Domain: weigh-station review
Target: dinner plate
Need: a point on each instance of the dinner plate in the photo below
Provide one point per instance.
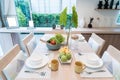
(44, 61)
(100, 64)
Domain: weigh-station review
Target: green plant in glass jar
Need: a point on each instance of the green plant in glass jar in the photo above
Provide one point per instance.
(73, 21)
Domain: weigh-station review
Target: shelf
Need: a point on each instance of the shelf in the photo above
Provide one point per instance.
(107, 9)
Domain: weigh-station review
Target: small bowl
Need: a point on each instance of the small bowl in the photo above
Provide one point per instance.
(36, 60)
(53, 47)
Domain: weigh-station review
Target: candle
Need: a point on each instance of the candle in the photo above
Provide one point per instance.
(31, 24)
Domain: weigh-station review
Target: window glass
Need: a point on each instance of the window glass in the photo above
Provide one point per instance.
(23, 12)
(44, 13)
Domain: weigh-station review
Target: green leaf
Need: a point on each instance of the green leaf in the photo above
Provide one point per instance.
(63, 17)
(74, 17)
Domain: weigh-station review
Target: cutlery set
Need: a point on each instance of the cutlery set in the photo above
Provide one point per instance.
(40, 73)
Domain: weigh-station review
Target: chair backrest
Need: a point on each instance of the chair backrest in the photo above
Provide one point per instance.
(111, 59)
(96, 43)
(7, 58)
(29, 43)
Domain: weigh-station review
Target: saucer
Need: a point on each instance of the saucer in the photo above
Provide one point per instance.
(44, 61)
(98, 65)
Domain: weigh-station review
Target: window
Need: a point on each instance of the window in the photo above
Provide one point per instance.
(43, 12)
(51, 6)
(23, 12)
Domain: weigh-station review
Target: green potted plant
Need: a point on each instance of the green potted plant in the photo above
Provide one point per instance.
(73, 23)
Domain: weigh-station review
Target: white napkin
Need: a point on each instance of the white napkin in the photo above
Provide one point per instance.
(33, 76)
(96, 74)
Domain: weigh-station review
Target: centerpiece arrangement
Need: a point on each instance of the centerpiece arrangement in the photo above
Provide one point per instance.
(65, 55)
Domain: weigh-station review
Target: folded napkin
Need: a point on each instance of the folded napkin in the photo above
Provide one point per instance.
(33, 76)
(96, 74)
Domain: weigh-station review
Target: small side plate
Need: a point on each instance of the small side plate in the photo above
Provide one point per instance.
(67, 62)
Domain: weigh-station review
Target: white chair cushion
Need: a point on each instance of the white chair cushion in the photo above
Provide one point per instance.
(107, 59)
(31, 45)
(94, 45)
(116, 69)
(13, 68)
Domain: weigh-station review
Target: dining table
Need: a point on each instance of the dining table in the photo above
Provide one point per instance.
(80, 49)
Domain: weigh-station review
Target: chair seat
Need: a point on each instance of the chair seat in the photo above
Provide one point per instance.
(111, 59)
(11, 63)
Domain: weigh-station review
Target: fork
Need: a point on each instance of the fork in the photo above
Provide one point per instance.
(95, 71)
(41, 73)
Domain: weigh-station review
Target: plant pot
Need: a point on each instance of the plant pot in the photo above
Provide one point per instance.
(62, 26)
(53, 26)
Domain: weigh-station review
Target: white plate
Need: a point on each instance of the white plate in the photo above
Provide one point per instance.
(100, 64)
(45, 60)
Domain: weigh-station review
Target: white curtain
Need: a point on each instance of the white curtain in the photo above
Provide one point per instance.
(10, 7)
(10, 11)
(2, 13)
(51, 6)
(1, 52)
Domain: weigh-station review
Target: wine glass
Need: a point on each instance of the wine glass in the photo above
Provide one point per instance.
(75, 41)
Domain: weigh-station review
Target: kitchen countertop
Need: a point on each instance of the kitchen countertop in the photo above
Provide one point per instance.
(99, 30)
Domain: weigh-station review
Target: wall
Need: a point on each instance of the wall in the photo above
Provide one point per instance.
(86, 9)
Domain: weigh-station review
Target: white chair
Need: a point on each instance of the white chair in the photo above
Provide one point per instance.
(111, 59)
(96, 43)
(30, 43)
(11, 63)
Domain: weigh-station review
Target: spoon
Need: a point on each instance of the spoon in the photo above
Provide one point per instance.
(41, 73)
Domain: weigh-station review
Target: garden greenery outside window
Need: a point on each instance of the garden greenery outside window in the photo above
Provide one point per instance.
(45, 13)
